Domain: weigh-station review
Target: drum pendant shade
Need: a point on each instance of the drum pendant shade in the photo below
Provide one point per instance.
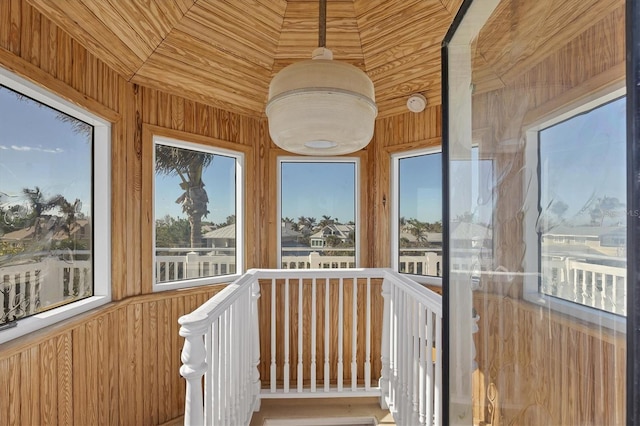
(321, 107)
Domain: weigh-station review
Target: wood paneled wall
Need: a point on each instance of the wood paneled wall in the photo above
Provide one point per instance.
(120, 364)
(375, 336)
(117, 365)
(403, 132)
(542, 368)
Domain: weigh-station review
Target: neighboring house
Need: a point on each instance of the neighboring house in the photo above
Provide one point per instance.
(52, 229)
(224, 237)
(434, 239)
(465, 235)
(600, 240)
(289, 237)
(319, 239)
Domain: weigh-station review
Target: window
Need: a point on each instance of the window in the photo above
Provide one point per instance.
(582, 208)
(417, 213)
(197, 214)
(54, 208)
(318, 213)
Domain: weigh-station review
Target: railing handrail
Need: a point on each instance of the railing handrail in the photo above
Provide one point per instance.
(228, 309)
(417, 291)
(215, 306)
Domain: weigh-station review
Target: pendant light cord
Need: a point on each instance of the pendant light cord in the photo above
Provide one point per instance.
(322, 24)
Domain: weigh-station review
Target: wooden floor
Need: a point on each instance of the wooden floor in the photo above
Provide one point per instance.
(321, 411)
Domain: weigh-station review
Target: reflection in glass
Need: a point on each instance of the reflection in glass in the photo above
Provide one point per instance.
(45, 207)
(583, 208)
(195, 213)
(537, 333)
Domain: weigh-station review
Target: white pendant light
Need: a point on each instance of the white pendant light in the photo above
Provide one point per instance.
(320, 106)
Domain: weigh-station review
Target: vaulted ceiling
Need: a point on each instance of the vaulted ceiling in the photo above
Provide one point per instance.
(225, 52)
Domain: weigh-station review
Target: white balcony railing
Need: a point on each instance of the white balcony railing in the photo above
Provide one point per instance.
(29, 288)
(222, 344)
(586, 281)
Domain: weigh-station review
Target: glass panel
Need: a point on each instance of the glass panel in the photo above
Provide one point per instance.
(45, 207)
(536, 213)
(583, 232)
(318, 214)
(195, 213)
(420, 214)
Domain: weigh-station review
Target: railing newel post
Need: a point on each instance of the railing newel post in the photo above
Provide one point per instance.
(385, 342)
(193, 328)
(255, 379)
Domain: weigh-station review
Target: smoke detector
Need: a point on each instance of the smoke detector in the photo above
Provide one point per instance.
(416, 102)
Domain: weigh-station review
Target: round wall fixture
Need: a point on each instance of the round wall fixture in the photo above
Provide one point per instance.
(416, 103)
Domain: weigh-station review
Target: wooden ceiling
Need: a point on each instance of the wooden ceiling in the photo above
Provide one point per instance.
(225, 52)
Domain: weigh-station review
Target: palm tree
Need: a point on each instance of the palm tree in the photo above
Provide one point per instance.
(326, 220)
(39, 205)
(188, 166)
(69, 211)
(419, 230)
(307, 223)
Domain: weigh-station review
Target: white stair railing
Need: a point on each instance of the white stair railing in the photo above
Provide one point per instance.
(222, 344)
(411, 381)
(351, 291)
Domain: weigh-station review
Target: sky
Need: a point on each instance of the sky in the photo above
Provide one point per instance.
(421, 187)
(38, 149)
(585, 157)
(318, 188)
(219, 182)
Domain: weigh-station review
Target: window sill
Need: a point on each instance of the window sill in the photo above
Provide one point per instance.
(196, 282)
(36, 322)
(587, 314)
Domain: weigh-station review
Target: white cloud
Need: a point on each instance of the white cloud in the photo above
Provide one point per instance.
(34, 148)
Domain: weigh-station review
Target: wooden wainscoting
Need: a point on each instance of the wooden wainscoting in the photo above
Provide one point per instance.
(264, 307)
(540, 367)
(117, 365)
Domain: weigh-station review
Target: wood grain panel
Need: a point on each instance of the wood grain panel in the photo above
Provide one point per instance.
(79, 22)
(265, 331)
(547, 369)
(225, 53)
(505, 45)
(85, 356)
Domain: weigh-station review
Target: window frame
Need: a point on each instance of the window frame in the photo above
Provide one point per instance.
(395, 213)
(101, 209)
(357, 196)
(532, 259)
(184, 141)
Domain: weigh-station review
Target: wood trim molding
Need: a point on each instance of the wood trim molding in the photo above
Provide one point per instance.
(16, 346)
(45, 80)
(250, 170)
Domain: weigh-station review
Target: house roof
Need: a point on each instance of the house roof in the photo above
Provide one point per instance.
(340, 231)
(584, 231)
(226, 232)
(46, 227)
(287, 231)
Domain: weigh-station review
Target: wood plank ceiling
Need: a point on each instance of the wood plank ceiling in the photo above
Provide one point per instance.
(225, 52)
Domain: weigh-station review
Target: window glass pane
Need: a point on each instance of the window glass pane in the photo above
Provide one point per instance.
(420, 214)
(45, 207)
(535, 319)
(583, 208)
(195, 213)
(318, 214)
